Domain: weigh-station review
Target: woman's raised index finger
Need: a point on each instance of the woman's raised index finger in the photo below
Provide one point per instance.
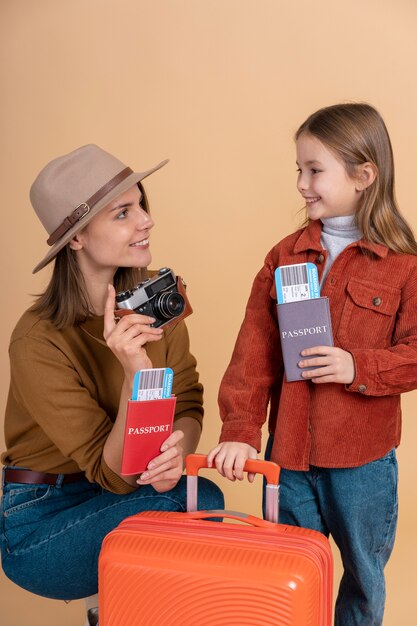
(109, 321)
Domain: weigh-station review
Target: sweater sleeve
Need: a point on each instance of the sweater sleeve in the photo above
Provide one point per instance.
(255, 364)
(186, 387)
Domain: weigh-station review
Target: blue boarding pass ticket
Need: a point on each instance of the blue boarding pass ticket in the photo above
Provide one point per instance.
(297, 282)
(153, 384)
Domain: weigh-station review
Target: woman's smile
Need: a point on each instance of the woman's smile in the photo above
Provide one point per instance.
(140, 244)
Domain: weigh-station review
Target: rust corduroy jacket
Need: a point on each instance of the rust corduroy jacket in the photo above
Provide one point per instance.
(373, 303)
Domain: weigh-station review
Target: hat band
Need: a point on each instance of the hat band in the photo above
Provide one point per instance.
(82, 209)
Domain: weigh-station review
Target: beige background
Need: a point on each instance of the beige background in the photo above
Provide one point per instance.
(219, 87)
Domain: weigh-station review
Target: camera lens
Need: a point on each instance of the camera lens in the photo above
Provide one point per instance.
(168, 305)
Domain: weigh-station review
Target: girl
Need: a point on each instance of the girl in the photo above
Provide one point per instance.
(72, 369)
(335, 433)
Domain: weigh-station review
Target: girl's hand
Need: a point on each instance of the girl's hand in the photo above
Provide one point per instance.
(230, 457)
(127, 337)
(334, 365)
(165, 470)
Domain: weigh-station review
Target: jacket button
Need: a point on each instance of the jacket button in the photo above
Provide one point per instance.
(376, 301)
(320, 258)
(362, 388)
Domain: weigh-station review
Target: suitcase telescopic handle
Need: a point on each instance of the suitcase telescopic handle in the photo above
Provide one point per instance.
(195, 462)
(271, 471)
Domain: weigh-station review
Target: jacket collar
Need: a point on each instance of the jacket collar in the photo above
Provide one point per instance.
(309, 239)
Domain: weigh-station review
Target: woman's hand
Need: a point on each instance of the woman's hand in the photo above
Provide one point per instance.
(334, 365)
(229, 458)
(165, 470)
(127, 337)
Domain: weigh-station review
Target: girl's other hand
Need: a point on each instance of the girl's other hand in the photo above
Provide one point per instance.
(165, 470)
(334, 365)
(127, 337)
(229, 458)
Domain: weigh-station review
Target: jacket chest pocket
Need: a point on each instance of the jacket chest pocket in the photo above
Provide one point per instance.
(368, 316)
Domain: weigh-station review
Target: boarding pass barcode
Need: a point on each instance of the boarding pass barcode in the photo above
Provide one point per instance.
(152, 384)
(294, 275)
(296, 282)
(152, 379)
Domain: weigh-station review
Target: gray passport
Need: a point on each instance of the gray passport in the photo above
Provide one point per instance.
(303, 324)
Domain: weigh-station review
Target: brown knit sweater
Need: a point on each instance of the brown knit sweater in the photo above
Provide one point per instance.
(64, 395)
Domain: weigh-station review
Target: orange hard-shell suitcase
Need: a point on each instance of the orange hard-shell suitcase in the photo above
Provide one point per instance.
(180, 569)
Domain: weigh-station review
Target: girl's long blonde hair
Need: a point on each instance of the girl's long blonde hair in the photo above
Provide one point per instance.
(356, 134)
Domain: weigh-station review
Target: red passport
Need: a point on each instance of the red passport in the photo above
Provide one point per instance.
(148, 424)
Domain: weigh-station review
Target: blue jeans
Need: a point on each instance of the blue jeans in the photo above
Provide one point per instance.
(359, 507)
(51, 535)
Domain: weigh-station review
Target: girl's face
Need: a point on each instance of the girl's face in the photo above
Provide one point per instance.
(323, 181)
(118, 236)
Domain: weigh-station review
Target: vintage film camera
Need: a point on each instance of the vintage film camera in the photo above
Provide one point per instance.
(162, 297)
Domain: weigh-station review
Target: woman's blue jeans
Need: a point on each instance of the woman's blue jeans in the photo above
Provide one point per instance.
(359, 507)
(51, 535)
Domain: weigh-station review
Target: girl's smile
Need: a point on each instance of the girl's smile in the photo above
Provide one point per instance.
(310, 201)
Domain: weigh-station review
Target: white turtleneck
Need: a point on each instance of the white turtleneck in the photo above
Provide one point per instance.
(337, 233)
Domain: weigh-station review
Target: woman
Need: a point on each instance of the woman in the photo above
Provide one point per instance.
(72, 368)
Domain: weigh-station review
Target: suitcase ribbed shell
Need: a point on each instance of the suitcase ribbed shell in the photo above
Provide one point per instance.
(168, 569)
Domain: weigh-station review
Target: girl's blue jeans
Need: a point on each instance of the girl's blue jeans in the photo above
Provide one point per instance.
(358, 507)
(51, 535)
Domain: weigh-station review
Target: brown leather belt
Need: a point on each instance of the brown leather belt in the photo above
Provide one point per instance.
(29, 477)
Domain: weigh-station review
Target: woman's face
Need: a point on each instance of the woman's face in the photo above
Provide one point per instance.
(117, 237)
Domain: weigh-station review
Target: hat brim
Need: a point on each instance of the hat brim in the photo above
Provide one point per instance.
(126, 184)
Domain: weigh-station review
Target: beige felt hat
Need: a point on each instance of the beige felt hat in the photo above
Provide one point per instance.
(70, 190)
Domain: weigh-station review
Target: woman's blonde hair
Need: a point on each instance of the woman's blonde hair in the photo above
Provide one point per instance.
(356, 134)
(65, 301)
